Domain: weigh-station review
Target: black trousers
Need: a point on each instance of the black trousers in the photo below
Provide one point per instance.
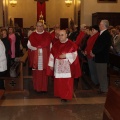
(1, 80)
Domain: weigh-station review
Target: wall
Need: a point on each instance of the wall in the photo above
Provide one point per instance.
(87, 8)
(25, 9)
(55, 9)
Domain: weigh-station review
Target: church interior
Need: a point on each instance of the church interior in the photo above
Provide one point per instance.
(19, 101)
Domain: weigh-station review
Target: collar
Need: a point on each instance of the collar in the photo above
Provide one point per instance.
(39, 32)
(65, 41)
(102, 31)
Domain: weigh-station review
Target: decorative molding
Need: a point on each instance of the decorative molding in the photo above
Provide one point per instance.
(107, 1)
(41, 1)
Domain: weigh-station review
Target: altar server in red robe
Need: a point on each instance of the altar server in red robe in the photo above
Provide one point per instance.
(64, 64)
(39, 43)
(57, 26)
(56, 38)
(80, 35)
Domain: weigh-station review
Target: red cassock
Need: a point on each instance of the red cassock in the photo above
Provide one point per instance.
(79, 38)
(53, 34)
(90, 44)
(40, 41)
(54, 40)
(63, 86)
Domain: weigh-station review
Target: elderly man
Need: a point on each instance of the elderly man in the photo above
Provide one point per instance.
(100, 52)
(64, 63)
(39, 44)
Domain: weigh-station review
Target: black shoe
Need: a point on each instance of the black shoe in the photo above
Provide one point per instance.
(101, 92)
(43, 92)
(63, 100)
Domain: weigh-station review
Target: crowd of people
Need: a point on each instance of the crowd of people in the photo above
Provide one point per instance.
(60, 53)
(11, 38)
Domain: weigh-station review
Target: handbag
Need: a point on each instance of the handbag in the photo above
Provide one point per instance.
(14, 69)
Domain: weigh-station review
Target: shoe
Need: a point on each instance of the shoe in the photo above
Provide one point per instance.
(43, 92)
(101, 92)
(63, 100)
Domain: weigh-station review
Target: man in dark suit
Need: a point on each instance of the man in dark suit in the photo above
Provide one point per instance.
(100, 52)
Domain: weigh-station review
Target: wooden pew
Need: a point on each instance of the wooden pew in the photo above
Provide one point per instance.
(114, 75)
(112, 104)
(16, 83)
(1, 93)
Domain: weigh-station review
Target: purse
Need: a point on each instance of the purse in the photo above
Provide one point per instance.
(14, 69)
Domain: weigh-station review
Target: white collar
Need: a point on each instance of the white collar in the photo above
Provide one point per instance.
(39, 32)
(102, 31)
(65, 41)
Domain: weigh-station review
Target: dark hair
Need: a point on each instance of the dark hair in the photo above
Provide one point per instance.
(96, 27)
(5, 30)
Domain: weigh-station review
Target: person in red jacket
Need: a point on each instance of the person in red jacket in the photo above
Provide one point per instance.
(90, 44)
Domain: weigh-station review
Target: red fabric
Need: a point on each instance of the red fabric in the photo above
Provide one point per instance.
(67, 47)
(30, 57)
(53, 34)
(90, 44)
(79, 38)
(40, 80)
(54, 40)
(40, 40)
(63, 88)
(41, 7)
(35, 59)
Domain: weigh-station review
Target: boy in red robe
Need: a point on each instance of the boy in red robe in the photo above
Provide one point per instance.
(39, 43)
(64, 64)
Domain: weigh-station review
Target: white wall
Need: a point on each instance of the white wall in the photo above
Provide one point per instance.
(87, 8)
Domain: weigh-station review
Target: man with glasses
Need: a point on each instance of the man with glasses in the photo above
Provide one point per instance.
(64, 63)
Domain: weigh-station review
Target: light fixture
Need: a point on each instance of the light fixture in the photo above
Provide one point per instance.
(13, 3)
(68, 2)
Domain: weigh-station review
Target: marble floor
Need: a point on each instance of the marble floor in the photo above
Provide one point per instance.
(29, 105)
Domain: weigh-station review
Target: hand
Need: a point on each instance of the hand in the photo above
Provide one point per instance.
(85, 53)
(62, 55)
(91, 54)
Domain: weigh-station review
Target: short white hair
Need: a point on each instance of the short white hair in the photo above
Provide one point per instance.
(106, 23)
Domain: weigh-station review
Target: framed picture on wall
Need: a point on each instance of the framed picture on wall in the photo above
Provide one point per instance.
(107, 1)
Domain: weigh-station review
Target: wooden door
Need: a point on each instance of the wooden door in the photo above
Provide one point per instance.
(63, 23)
(19, 22)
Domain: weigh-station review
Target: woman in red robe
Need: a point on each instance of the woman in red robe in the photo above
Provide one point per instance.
(39, 44)
(64, 64)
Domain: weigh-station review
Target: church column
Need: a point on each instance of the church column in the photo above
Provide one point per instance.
(5, 13)
(76, 10)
